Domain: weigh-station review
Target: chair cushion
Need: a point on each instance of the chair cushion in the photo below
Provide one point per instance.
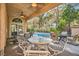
(56, 46)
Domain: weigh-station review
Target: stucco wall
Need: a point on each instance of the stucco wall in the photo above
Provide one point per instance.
(0, 24)
(14, 13)
(3, 26)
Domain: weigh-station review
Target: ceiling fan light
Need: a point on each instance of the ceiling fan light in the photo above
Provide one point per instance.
(34, 4)
(22, 15)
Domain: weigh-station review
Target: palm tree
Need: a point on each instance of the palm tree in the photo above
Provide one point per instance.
(69, 15)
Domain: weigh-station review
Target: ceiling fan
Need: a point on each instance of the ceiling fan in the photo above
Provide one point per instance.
(34, 4)
(22, 15)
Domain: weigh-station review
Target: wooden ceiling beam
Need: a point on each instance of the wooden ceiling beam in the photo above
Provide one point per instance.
(44, 9)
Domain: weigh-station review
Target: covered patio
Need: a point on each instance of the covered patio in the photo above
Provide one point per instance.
(14, 34)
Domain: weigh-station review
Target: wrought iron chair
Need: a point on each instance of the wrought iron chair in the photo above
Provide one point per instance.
(26, 47)
(57, 48)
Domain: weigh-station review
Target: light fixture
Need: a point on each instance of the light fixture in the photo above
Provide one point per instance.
(22, 15)
(34, 4)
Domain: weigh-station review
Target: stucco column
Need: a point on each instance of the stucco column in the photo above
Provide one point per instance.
(3, 18)
(0, 27)
(25, 26)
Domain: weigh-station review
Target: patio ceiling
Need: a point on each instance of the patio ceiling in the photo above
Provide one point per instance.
(28, 10)
(44, 9)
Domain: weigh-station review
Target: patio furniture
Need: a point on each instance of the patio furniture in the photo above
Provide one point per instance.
(57, 48)
(34, 45)
(36, 53)
(27, 35)
(41, 50)
(41, 45)
(22, 43)
(38, 47)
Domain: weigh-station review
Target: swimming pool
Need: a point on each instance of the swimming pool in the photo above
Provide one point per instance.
(40, 37)
(42, 34)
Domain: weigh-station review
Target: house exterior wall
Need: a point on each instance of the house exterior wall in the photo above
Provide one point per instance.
(3, 27)
(0, 25)
(14, 13)
(6, 17)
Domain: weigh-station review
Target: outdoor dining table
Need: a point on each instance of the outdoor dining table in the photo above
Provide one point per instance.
(40, 44)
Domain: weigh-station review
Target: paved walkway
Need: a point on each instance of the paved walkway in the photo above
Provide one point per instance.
(67, 53)
(72, 49)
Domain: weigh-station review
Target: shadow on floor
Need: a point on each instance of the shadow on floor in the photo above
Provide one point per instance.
(14, 50)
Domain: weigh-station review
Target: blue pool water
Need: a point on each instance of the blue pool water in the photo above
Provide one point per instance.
(40, 37)
(42, 34)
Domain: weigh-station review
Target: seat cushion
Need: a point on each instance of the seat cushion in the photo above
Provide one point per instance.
(56, 47)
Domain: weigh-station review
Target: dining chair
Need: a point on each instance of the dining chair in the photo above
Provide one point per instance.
(23, 43)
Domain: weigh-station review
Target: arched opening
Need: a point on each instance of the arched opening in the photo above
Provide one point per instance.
(16, 26)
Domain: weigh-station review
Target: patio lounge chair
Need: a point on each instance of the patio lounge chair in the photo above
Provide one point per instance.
(57, 48)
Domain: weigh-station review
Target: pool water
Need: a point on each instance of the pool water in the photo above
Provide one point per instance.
(40, 37)
(42, 34)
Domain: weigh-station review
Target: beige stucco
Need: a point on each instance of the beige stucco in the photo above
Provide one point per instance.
(0, 24)
(3, 26)
(13, 11)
